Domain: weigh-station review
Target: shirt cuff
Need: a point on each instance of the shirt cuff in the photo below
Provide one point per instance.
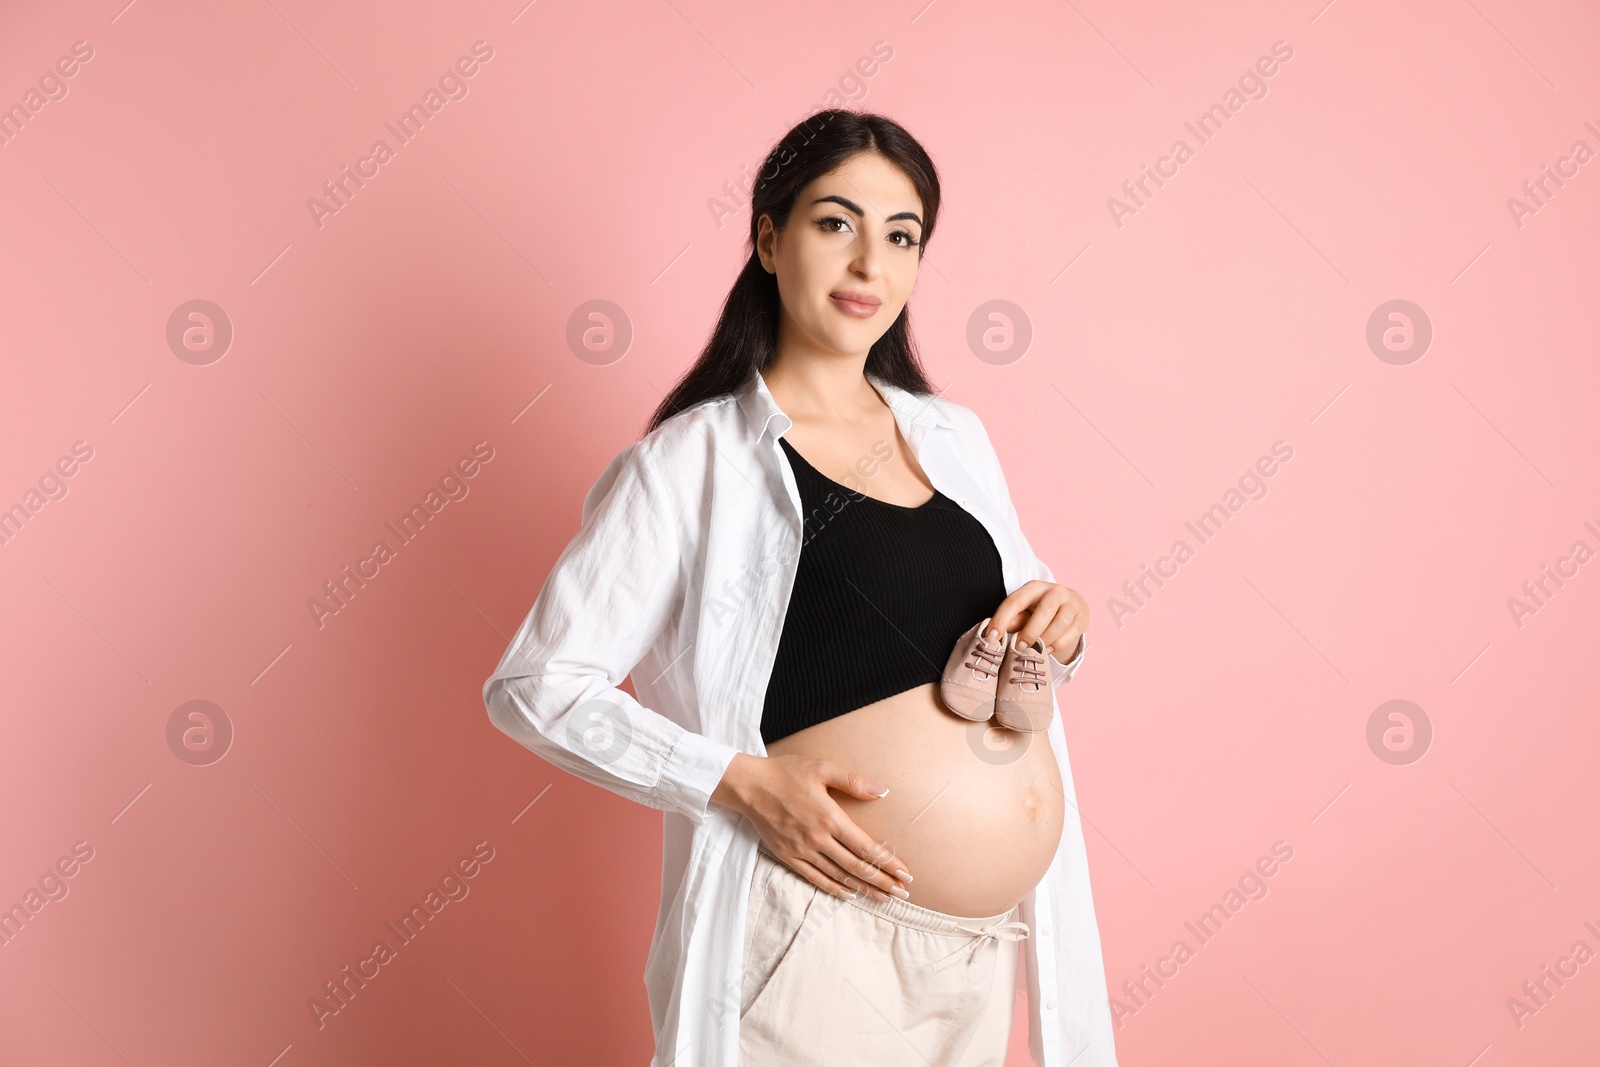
(1063, 672)
(695, 769)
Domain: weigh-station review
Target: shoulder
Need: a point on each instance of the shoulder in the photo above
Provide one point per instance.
(690, 435)
(671, 462)
(972, 438)
(966, 423)
(963, 418)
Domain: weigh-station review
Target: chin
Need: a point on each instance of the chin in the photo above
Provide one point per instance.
(859, 344)
(847, 341)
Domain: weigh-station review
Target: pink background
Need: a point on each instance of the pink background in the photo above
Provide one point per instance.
(1168, 355)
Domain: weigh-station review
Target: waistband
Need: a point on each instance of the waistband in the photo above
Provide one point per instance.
(1002, 927)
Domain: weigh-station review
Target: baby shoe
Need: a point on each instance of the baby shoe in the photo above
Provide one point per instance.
(1023, 698)
(970, 675)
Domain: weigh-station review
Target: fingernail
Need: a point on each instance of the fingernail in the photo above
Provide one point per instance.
(905, 875)
(901, 890)
(881, 795)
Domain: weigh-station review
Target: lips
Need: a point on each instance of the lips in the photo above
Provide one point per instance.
(860, 305)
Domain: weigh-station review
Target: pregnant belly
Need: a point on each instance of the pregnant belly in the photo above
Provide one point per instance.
(974, 811)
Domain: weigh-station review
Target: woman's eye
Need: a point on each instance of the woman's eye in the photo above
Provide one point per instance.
(824, 224)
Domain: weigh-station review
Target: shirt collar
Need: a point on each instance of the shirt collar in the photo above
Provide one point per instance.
(762, 412)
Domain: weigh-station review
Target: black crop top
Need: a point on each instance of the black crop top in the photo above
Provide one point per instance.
(881, 594)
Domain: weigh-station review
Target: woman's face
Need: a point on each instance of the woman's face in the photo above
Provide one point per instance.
(853, 232)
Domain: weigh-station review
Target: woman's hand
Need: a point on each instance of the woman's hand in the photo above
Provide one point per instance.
(1044, 610)
(786, 798)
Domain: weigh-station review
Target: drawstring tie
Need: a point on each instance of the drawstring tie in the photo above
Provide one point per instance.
(1014, 930)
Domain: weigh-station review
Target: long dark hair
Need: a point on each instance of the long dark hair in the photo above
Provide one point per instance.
(746, 335)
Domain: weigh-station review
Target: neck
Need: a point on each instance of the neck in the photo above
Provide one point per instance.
(821, 390)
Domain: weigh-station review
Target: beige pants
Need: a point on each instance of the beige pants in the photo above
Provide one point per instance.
(830, 981)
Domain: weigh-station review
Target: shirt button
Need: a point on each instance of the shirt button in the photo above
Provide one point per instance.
(1050, 1004)
(1045, 929)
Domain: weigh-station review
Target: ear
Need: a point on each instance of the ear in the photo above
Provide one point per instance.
(766, 243)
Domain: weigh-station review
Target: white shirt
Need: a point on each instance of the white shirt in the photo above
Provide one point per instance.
(680, 575)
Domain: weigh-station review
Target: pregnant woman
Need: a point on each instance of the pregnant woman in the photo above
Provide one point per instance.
(801, 556)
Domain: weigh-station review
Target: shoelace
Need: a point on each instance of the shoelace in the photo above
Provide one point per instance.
(1015, 930)
(1027, 667)
(986, 659)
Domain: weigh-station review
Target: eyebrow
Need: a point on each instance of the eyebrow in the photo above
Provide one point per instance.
(912, 215)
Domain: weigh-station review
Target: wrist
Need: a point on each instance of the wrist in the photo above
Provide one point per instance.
(733, 789)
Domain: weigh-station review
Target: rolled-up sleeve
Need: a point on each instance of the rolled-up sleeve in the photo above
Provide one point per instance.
(605, 602)
(1036, 569)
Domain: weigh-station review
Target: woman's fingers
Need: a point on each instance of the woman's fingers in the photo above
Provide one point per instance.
(1041, 611)
(1063, 632)
(799, 819)
(836, 870)
(1013, 606)
(876, 855)
(858, 871)
(1063, 649)
(826, 863)
(1051, 612)
(826, 882)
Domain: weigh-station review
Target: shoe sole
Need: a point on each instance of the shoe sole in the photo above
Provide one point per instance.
(978, 707)
(1021, 719)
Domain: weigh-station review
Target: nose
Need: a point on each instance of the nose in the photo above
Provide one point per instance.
(868, 258)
